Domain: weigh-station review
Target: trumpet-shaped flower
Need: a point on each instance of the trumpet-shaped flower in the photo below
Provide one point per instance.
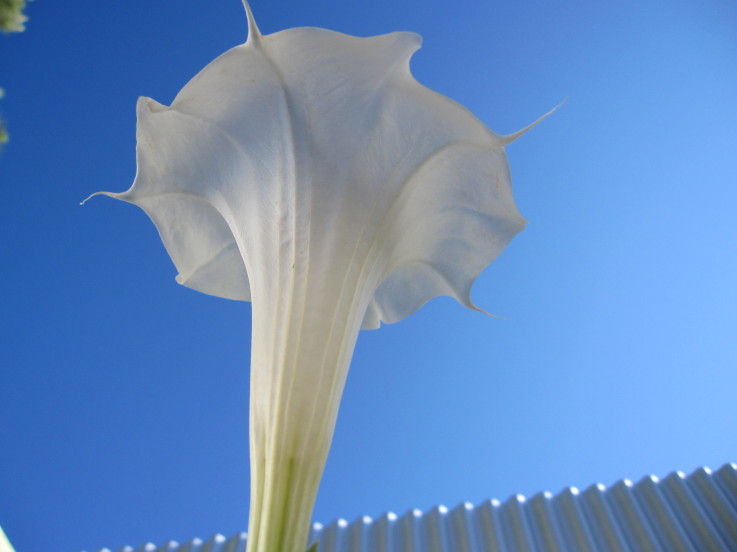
(308, 172)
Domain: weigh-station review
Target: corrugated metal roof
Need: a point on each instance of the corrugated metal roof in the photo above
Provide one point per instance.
(695, 513)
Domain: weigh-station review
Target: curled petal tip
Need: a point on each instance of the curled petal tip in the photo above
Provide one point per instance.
(109, 194)
(509, 138)
(253, 33)
(471, 305)
(85, 200)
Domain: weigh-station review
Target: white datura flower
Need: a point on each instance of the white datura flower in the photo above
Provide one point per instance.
(308, 172)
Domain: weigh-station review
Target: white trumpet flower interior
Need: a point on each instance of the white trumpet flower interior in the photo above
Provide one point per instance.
(308, 172)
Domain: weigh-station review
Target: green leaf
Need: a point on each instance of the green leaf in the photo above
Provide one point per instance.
(11, 15)
(313, 548)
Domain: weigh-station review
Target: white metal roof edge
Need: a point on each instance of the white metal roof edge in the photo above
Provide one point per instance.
(694, 513)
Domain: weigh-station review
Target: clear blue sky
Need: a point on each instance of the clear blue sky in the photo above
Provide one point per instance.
(123, 396)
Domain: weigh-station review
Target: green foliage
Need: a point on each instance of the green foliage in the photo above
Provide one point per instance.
(12, 20)
(313, 548)
(11, 15)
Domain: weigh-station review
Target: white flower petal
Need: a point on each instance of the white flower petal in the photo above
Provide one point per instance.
(339, 124)
(309, 172)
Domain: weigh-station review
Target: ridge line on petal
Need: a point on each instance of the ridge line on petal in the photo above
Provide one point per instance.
(401, 192)
(401, 188)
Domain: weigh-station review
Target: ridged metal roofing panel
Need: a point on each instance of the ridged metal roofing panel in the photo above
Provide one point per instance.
(695, 513)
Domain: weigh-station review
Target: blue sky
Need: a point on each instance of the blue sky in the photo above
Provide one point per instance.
(123, 416)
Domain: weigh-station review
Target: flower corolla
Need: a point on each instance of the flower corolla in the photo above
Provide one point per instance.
(307, 171)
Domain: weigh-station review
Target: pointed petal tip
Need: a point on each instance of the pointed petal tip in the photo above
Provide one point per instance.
(470, 304)
(509, 138)
(490, 315)
(253, 33)
(108, 194)
(85, 200)
(464, 299)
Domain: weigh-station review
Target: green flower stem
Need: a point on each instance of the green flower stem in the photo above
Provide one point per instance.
(304, 332)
